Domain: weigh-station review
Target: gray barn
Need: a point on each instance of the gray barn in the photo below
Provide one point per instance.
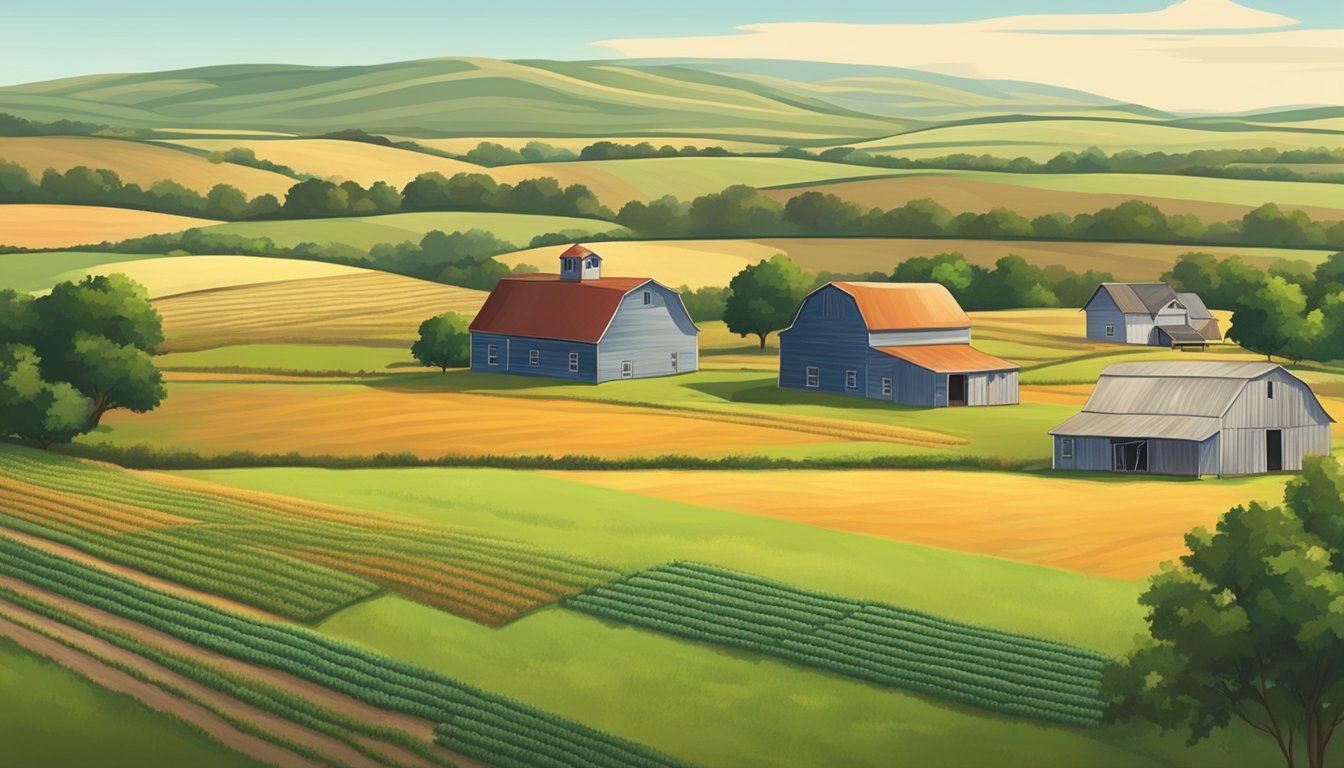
(1151, 314)
(1194, 418)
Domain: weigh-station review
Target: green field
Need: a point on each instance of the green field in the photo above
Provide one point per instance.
(691, 177)
(40, 271)
(308, 358)
(44, 705)
(366, 231)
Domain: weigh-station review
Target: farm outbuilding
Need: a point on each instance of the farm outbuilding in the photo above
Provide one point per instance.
(905, 343)
(1151, 314)
(579, 325)
(1194, 418)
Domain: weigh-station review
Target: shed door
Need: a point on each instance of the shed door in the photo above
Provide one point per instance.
(1274, 450)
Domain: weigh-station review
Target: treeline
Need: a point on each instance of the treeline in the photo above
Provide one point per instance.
(248, 157)
(11, 125)
(742, 211)
(1298, 316)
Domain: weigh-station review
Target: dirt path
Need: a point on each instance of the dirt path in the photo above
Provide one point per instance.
(418, 728)
(151, 696)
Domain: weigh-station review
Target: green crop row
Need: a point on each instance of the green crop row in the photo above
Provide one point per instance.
(980, 666)
(367, 676)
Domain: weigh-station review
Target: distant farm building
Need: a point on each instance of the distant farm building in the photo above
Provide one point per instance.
(905, 343)
(1194, 418)
(582, 326)
(1151, 314)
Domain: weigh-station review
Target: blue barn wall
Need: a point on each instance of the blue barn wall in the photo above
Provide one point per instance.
(647, 335)
(834, 343)
(552, 359)
(1101, 312)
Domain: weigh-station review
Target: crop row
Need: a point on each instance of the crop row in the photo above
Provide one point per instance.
(367, 676)
(975, 665)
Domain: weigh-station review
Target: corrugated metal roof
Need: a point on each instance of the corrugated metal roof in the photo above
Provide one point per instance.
(1138, 298)
(1139, 426)
(1208, 369)
(948, 358)
(1195, 309)
(905, 306)
(1209, 329)
(1183, 334)
(1164, 395)
(545, 307)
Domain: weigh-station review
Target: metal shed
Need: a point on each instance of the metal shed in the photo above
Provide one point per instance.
(1194, 418)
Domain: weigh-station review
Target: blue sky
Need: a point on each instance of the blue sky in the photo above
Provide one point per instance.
(46, 40)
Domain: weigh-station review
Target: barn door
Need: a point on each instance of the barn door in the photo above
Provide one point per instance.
(1274, 450)
(956, 389)
(1129, 456)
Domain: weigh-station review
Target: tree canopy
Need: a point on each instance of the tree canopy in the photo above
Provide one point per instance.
(764, 297)
(444, 342)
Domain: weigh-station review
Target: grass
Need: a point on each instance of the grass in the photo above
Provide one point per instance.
(40, 271)
(341, 160)
(46, 705)
(62, 226)
(366, 231)
(290, 357)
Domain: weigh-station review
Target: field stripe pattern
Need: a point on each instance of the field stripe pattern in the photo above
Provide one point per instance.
(983, 667)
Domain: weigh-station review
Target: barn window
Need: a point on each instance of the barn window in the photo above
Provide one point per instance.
(886, 386)
(851, 379)
(675, 362)
(1269, 388)
(534, 357)
(648, 298)
(627, 369)
(813, 376)
(573, 362)
(491, 354)
(1110, 330)
(1066, 448)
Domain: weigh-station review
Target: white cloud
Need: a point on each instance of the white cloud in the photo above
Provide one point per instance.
(1196, 55)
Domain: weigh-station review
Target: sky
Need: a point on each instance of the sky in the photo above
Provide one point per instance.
(1192, 55)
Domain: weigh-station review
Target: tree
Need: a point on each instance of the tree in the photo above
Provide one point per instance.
(444, 342)
(764, 297)
(1247, 626)
(1271, 319)
(737, 210)
(97, 335)
(32, 408)
(951, 270)
(705, 304)
(1011, 284)
(18, 318)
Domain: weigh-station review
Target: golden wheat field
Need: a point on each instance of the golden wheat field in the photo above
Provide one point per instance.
(352, 308)
(693, 263)
(62, 226)
(340, 160)
(328, 418)
(138, 162)
(1089, 525)
(187, 274)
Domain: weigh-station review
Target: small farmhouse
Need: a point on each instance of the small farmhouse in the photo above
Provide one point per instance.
(1194, 418)
(582, 326)
(1151, 314)
(905, 343)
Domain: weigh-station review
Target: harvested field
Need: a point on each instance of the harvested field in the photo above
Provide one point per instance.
(1089, 525)
(347, 308)
(693, 263)
(61, 226)
(341, 160)
(138, 163)
(189, 274)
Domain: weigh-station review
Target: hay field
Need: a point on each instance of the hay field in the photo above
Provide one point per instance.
(979, 194)
(39, 271)
(331, 418)
(357, 308)
(1089, 525)
(693, 263)
(62, 226)
(187, 274)
(339, 160)
(1043, 139)
(366, 231)
(138, 162)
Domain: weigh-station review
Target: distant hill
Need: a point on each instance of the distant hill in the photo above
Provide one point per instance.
(781, 101)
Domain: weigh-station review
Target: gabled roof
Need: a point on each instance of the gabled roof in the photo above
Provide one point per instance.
(1182, 334)
(1194, 307)
(1183, 400)
(544, 306)
(578, 251)
(905, 306)
(1137, 298)
(948, 358)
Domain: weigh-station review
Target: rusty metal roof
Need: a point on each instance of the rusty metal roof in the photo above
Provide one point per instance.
(905, 306)
(577, 250)
(949, 358)
(545, 307)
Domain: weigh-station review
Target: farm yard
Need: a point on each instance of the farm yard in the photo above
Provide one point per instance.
(318, 547)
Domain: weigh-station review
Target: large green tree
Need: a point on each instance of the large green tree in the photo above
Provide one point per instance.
(34, 409)
(444, 342)
(764, 297)
(1249, 626)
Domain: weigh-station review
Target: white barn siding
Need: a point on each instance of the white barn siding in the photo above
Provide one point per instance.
(919, 338)
(1244, 449)
(1293, 405)
(1140, 329)
(647, 335)
(991, 388)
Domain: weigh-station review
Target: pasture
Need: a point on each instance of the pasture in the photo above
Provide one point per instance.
(40, 271)
(338, 160)
(367, 231)
(35, 225)
(138, 162)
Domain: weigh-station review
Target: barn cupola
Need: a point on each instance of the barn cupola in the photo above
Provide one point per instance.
(579, 263)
